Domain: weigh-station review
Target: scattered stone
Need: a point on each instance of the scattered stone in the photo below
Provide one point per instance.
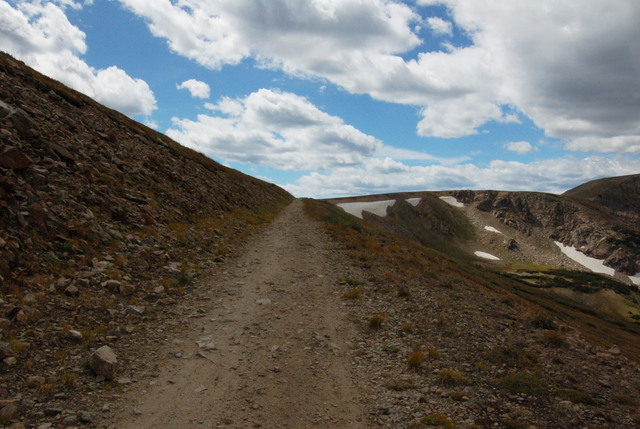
(126, 289)
(263, 301)
(9, 412)
(76, 336)
(29, 299)
(72, 290)
(135, 309)
(103, 362)
(511, 245)
(14, 159)
(86, 417)
(5, 350)
(71, 420)
(52, 412)
(112, 285)
(200, 389)
(35, 381)
(10, 361)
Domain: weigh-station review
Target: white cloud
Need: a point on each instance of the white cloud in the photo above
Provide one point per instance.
(384, 175)
(521, 147)
(41, 35)
(572, 67)
(278, 129)
(197, 88)
(439, 26)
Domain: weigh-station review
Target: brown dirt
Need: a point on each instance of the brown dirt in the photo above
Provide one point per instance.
(274, 341)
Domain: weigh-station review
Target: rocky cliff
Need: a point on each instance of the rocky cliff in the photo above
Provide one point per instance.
(601, 231)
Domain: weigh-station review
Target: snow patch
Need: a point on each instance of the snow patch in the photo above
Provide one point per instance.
(595, 265)
(414, 201)
(635, 279)
(486, 255)
(452, 201)
(376, 207)
(492, 229)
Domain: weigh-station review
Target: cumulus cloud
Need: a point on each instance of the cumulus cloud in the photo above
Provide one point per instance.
(197, 88)
(278, 129)
(40, 34)
(572, 67)
(385, 175)
(439, 26)
(521, 147)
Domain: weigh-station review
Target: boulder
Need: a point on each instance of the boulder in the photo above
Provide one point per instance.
(103, 362)
(13, 158)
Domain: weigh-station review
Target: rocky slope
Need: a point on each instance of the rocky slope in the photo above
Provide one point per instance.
(104, 224)
(443, 343)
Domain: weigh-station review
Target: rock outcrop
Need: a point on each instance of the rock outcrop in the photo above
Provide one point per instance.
(602, 232)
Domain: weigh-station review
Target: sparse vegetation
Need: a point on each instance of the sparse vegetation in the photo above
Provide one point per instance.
(451, 377)
(437, 420)
(513, 355)
(575, 396)
(554, 339)
(400, 384)
(376, 321)
(626, 400)
(579, 281)
(416, 359)
(352, 293)
(522, 382)
(542, 321)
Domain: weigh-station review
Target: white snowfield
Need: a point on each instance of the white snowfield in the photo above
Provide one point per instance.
(414, 201)
(635, 279)
(492, 229)
(486, 255)
(376, 207)
(595, 265)
(452, 201)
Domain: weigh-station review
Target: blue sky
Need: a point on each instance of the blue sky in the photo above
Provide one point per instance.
(345, 97)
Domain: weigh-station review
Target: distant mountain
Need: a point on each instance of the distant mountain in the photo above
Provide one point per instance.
(599, 218)
(620, 195)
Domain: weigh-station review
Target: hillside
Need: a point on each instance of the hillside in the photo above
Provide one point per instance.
(446, 343)
(619, 195)
(227, 303)
(104, 225)
(522, 226)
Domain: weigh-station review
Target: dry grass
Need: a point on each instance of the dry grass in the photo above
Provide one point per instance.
(354, 293)
(416, 359)
(376, 321)
(511, 355)
(522, 382)
(451, 377)
(554, 339)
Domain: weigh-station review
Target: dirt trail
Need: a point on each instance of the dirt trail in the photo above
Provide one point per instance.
(272, 345)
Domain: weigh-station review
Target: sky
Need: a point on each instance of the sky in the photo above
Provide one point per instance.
(332, 98)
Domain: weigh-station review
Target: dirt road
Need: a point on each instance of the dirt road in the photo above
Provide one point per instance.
(270, 352)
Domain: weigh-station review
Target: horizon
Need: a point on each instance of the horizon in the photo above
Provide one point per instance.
(394, 96)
